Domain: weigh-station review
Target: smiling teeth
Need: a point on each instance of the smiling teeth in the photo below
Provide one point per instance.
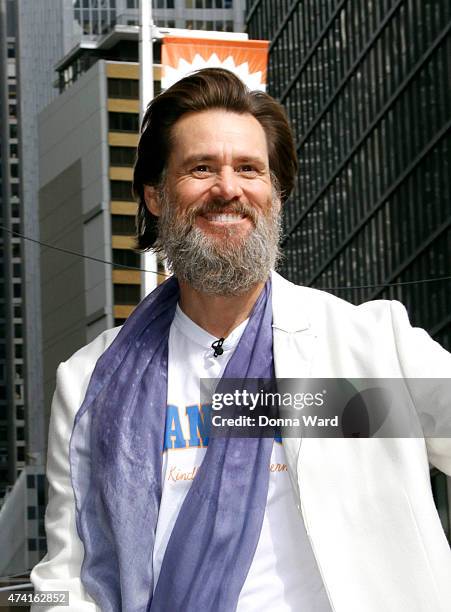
(225, 218)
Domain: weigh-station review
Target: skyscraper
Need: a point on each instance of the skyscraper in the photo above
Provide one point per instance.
(366, 86)
(95, 17)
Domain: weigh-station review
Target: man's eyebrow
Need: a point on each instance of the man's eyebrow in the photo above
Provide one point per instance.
(193, 159)
(209, 157)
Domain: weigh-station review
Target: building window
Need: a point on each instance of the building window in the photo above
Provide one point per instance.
(123, 225)
(122, 156)
(123, 88)
(32, 544)
(127, 294)
(18, 391)
(31, 513)
(21, 453)
(3, 456)
(126, 257)
(121, 190)
(123, 122)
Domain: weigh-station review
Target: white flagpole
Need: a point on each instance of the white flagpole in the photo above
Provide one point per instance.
(146, 92)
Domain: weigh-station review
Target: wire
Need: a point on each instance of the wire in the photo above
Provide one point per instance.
(116, 265)
(414, 282)
(68, 251)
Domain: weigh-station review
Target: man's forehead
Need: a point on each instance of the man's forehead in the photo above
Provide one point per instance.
(209, 135)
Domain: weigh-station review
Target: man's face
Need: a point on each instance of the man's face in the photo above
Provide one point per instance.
(218, 210)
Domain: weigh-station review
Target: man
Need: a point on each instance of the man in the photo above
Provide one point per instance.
(145, 512)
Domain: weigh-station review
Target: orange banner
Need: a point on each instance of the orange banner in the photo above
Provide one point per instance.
(248, 59)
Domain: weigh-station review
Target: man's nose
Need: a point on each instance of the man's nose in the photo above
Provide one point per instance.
(227, 185)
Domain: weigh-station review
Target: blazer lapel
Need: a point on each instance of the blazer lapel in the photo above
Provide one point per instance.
(294, 345)
(294, 339)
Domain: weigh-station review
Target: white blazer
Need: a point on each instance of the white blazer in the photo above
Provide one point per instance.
(366, 503)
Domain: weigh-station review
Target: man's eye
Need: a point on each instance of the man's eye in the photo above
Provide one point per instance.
(202, 169)
(247, 169)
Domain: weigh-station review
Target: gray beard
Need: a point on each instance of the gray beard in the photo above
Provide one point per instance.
(209, 265)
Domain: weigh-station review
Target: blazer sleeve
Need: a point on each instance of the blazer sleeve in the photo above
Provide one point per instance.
(60, 569)
(427, 367)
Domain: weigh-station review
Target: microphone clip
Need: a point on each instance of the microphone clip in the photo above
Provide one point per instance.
(217, 346)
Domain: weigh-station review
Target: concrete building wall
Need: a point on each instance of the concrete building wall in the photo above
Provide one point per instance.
(63, 282)
(74, 214)
(40, 45)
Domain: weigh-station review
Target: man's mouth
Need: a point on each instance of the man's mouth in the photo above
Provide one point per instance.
(224, 217)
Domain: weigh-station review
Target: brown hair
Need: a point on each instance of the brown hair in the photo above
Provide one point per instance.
(206, 89)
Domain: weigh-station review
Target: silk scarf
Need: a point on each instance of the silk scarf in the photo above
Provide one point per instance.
(116, 463)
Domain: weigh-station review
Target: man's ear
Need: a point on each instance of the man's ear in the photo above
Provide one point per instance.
(152, 200)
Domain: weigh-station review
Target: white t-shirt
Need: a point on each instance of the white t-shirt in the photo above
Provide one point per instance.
(283, 575)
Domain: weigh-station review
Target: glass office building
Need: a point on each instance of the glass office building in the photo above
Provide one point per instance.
(95, 17)
(366, 87)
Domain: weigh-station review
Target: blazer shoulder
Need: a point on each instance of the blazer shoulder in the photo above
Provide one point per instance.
(318, 307)
(86, 357)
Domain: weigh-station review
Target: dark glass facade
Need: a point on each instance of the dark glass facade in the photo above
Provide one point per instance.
(365, 84)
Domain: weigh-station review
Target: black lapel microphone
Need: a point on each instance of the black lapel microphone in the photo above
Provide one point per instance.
(217, 346)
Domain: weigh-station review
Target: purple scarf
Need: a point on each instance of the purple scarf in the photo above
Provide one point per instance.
(116, 477)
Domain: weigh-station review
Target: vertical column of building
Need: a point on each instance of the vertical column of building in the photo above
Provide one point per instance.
(12, 438)
(123, 126)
